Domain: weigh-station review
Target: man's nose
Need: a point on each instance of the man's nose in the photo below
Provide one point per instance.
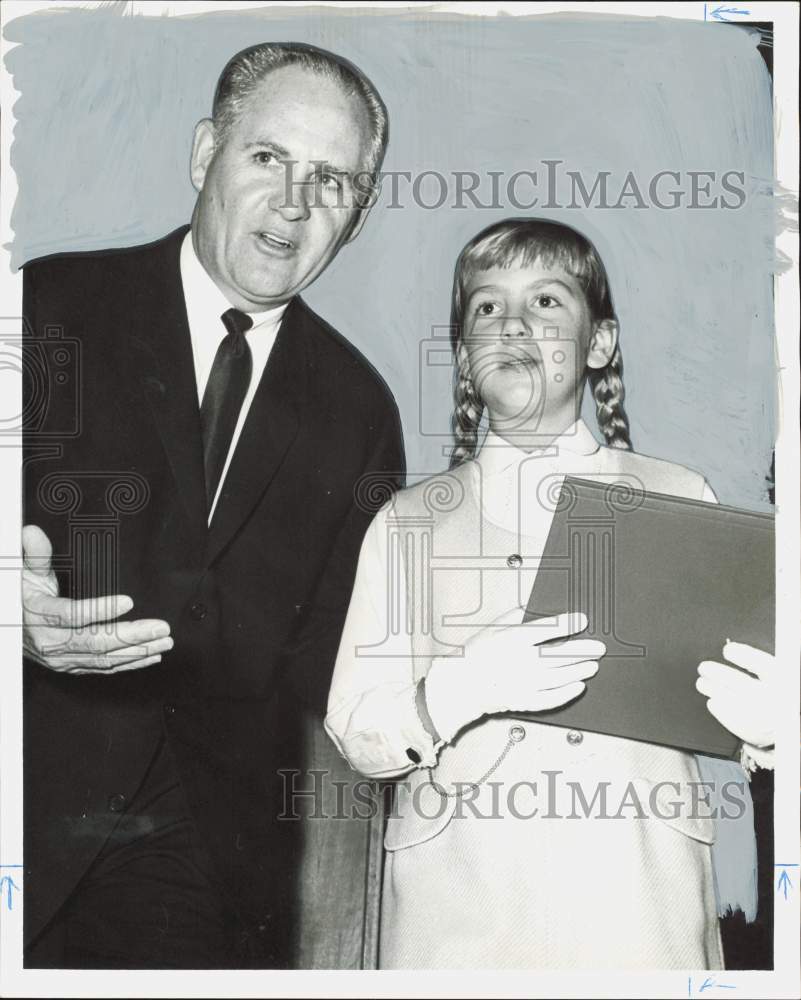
(292, 203)
(515, 328)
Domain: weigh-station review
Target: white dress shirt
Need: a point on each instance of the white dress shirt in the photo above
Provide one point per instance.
(205, 304)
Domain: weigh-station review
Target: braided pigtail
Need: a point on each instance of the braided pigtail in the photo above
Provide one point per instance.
(467, 411)
(608, 392)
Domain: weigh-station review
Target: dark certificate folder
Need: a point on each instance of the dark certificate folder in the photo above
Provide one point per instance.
(664, 582)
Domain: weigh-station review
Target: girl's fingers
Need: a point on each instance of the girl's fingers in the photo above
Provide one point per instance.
(756, 661)
(719, 678)
(571, 650)
(567, 675)
(559, 696)
(541, 630)
(718, 709)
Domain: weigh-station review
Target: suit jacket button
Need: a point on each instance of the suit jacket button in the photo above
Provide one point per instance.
(169, 709)
(574, 737)
(198, 611)
(514, 561)
(116, 803)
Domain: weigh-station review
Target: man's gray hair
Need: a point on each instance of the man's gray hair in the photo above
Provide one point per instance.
(245, 71)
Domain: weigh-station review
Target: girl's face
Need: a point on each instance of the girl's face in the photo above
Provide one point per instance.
(529, 336)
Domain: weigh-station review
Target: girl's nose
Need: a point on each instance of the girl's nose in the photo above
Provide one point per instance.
(515, 328)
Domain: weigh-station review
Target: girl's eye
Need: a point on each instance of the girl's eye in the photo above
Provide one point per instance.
(487, 309)
(546, 301)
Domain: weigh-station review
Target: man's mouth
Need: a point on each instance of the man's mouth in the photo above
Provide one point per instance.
(275, 242)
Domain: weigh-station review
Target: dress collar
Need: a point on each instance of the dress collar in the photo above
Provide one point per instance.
(498, 455)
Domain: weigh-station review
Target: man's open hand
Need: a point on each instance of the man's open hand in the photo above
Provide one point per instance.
(67, 636)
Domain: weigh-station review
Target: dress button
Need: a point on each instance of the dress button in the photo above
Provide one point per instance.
(574, 737)
(514, 561)
(198, 611)
(516, 734)
(116, 803)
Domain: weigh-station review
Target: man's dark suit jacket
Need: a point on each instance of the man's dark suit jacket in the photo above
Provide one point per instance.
(113, 474)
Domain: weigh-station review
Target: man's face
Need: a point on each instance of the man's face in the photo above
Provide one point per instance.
(277, 199)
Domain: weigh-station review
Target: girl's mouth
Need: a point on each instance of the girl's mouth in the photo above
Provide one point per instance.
(517, 361)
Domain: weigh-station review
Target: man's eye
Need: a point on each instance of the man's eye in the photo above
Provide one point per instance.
(330, 181)
(266, 158)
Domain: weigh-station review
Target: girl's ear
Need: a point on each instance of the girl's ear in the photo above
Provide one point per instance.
(602, 344)
(462, 358)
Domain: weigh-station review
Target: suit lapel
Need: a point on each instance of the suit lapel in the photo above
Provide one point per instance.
(160, 352)
(270, 428)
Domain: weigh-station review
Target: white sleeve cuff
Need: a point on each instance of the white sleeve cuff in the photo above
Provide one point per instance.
(752, 757)
(380, 733)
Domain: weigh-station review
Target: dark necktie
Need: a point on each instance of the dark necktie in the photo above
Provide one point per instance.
(222, 399)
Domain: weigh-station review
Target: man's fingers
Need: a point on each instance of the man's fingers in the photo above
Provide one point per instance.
(71, 661)
(136, 665)
(121, 636)
(756, 661)
(114, 659)
(61, 612)
(122, 668)
(37, 552)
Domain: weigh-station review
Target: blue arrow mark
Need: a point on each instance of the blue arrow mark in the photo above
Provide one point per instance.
(719, 12)
(10, 885)
(710, 983)
(784, 883)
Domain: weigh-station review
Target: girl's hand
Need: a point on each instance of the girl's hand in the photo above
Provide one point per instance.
(744, 703)
(506, 668)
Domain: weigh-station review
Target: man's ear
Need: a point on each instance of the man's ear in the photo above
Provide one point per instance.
(203, 147)
(602, 343)
(369, 189)
(358, 222)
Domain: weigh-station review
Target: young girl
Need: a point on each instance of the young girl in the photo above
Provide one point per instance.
(513, 843)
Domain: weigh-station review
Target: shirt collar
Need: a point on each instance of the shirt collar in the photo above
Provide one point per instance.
(498, 455)
(200, 291)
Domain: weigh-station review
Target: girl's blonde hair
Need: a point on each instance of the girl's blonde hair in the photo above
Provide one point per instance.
(522, 242)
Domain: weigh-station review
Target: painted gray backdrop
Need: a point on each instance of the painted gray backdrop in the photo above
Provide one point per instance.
(108, 102)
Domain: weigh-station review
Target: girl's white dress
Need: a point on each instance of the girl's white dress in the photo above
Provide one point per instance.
(576, 850)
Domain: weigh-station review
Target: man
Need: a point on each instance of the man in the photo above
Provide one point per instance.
(209, 499)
